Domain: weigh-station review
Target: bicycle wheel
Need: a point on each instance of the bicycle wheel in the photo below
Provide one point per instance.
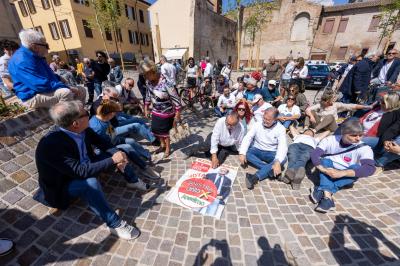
(206, 102)
(318, 95)
(185, 96)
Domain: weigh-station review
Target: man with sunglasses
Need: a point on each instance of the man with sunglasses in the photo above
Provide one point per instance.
(226, 137)
(387, 70)
(341, 160)
(34, 81)
(101, 70)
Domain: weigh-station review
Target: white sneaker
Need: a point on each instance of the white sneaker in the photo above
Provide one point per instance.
(151, 174)
(156, 158)
(125, 231)
(139, 185)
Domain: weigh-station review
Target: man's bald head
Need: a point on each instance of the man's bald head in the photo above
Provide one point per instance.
(270, 116)
(232, 118)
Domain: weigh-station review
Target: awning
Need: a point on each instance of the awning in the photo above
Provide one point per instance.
(172, 54)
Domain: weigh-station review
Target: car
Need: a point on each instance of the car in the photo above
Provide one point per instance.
(336, 65)
(317, 76)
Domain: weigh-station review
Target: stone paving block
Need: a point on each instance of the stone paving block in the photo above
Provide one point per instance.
(6, 185)
(29, 256)
(20, 176)
(9, 167)
(13, 196)
(5, 155)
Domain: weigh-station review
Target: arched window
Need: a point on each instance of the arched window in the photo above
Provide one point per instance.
(300, 27)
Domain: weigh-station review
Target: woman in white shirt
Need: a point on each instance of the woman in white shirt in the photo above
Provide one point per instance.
(289, 112)
(299, 73)
(192, 74)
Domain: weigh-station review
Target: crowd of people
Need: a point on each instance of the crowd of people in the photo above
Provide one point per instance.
(264, 119)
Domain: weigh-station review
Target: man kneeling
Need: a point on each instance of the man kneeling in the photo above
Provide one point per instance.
(269, 150)
(341, 160)
(68, 167)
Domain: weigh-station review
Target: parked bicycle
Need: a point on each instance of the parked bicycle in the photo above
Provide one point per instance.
(190, 98)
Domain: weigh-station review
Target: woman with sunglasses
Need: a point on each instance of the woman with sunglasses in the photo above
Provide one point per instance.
(242, 108)
(288, 112)
(301, 99)
(166, 104)
(341, 160)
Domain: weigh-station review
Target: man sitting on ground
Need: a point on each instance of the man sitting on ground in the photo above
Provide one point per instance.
(128, 98)
(68, 166)
(226, 102)
(341, 160)
(269, 150)
(226, 138)
(259, 107)
(34, 82)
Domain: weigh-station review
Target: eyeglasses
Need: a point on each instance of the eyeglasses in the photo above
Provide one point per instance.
(99, 56)
(131, 85)
(86, 114)
(391, 53)
(290, 99)
(229, 126)
(114, 99)
(241, 109)
(46, 45)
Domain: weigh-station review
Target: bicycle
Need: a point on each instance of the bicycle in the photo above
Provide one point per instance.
(199, 96)
(321, 91)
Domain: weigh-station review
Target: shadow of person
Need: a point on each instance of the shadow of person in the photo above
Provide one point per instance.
(366, 236)
(312, 173)
(273, 255)
(203, 257)
(49, 239)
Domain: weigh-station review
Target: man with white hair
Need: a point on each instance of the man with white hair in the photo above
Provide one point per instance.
(168, 70)
(208, 70)
(115, 74)
(387, 70)
(34, 81)
(357, 80)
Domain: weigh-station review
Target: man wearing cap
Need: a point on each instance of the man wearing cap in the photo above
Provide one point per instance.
(259, 107)
(226, 137)
(271, 94)
(251, 89)
(341, 160)
(269, 149)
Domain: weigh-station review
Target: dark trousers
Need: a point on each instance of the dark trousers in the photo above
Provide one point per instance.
(223, 152)
(90, 87)
(298, 155)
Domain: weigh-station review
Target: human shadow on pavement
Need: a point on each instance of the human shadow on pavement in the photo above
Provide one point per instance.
(49, 239)
(274, 255)
(203, 257)
(366, 236)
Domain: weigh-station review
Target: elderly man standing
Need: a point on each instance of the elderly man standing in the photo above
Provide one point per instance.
(34, 82)
(68, 166)
(115, 74)
(226, 137)
(273, 69)
(168, 70)
(269, 150)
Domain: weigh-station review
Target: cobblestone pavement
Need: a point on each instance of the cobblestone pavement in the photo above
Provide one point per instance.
(271, 225)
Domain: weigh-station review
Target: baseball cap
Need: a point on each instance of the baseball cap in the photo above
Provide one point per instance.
(251, 81)
(272, 82)
(256, 98)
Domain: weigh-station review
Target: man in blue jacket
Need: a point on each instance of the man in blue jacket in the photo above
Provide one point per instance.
(357, 80)
(34, 81)
(68, 166)
(387, 70)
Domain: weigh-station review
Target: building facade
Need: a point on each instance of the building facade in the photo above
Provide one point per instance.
(10, 24)
(195, 29)
(66, 26)
(351, 29)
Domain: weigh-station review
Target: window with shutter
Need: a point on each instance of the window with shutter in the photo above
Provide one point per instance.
(31, 6)
(87, 29)
(54, 31)
(328, 27)
(39, 29)
(343, 24)
(130, 36)
(136, 37)
(141, 15)
(374, 23)
(57, 2)
(108, 35)
(119, 35)
(342, 52)
(133, 13)
(65, 30)
(45, 4)
(147, 40)
(22, 7)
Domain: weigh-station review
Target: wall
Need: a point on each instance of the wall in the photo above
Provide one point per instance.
(276, 37)
(175, 21)
(214, 35)
(356, 36)
(10, 24)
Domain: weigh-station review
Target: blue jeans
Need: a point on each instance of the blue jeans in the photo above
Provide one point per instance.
(98, 88)
(286, 123)
(133, 150)
(130, 124)
(326, 183)
(387, 157)
(90, 190)
(262, 160)
(221, 114)
(298, 155)
(90, 87)
(371, 141)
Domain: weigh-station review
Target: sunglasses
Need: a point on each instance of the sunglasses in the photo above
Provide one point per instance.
(290, 99)
(86, 114)
(99, 56)
(114, 99)
(46, 45)
(391, 53)
(241, 109)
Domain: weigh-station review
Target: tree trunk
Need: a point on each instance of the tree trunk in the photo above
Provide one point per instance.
(258, 50)
(100, 29)
(390, 35)
(238, 37)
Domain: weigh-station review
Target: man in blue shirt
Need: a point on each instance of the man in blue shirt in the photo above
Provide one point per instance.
(34, 81)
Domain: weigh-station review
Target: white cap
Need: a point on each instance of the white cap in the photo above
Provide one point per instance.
(272, 82)
(256, 98)
(251, 81)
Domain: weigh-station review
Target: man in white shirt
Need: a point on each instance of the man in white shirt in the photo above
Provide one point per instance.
(226, 71)
(387, 69)
(208, 70)
(269, 150)
(168, 70)
(226, 137)
(226, 102)
(259, 107)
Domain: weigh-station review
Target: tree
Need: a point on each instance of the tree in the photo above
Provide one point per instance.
(390, 21)
(259, 16)
(108, 18)
(235, 10)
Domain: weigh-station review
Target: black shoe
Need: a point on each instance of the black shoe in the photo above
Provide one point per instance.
(250, 181)
(156, 142)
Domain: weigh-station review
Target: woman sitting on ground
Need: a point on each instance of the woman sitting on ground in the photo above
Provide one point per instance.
(341, 160)
(323, 116)
(245, 115)
(301, 99)
(289, 112)
(101, 124)
(239, 92)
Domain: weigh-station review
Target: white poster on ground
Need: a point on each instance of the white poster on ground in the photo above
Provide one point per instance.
(204, 189)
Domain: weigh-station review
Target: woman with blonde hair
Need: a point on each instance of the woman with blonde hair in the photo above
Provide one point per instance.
(101, 124)
(165, 101)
